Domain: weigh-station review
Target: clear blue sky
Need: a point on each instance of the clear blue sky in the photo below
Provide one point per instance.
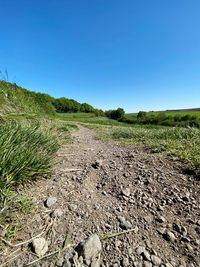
(134, 54)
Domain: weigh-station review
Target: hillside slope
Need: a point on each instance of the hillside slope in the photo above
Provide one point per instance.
(15, 99)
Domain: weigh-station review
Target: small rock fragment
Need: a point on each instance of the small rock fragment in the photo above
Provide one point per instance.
(161, 219)
(57, 213)
(125, 262)
(97, 164)
(146, 255)
(90, 248)
(147, 264)
(50, 201)
(169, 236)
(156, 260)
(124, 224)
(66, 264)
(72, 207)
(140, 250)
(40, 246)
(126, 192)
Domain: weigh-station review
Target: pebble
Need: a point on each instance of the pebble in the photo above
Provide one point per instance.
(147, 264)
(124, 224)
(146, 255)
(50, 201)
(126, 192)
(156, 260)
(72, 207)
(125, 262)
(170, 236)
(90, 248)
(40, 246)
(140, 250)
(57, 213)
(66, 264)
(161, 219)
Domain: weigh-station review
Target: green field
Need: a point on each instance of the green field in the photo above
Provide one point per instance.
(171, 113)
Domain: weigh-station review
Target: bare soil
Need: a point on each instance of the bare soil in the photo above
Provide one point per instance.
(95, 183)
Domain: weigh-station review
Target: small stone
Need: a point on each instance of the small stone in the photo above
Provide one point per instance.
(57, 213)
(125, 262)
(146, 255)
(140, 250)
(72, 207)
(40, 246)
(148, 219)
(156, 260)
(147, 264)
(95, 263)
(168, 265)
(59, 262)
(137, 264)
(126, 192)
(119, 209)
(124, 224)
(189, 247)
(90, 248)
(161, 219)
(66, 264)
(50, 201)
(169, 236)
(97, 164)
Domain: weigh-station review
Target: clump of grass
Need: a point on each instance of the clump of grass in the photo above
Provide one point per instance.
(26, 152)
(123, 133)
(66, 127)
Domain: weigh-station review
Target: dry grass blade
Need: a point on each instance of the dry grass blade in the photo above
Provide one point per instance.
(117, 234)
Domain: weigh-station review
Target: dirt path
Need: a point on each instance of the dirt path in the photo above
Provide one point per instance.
(103, 188)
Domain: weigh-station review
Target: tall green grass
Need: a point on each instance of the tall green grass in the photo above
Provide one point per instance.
(15, 99)
(26, 152)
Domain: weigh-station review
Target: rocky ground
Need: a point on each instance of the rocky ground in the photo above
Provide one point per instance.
(99, 189)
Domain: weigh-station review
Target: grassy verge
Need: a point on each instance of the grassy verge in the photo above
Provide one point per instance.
(27, 150)
(178, 143)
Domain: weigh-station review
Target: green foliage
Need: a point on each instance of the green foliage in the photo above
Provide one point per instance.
(115, 114)
(99, 113)
(164, 119)
(15, 99)
(141, 114)
(26, 152)
(64, 105)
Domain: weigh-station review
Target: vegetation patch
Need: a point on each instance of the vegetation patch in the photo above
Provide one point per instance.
(176, 142)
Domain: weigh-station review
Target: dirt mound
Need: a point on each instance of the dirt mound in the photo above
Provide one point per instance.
(106, 189)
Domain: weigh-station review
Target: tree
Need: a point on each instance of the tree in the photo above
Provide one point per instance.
(141, 114)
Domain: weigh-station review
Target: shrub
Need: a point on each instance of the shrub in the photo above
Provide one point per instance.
(115, 114)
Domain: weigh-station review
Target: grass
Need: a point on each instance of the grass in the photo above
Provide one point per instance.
(26, 152)
(17, 100)
(178, 143)
(28, 146)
